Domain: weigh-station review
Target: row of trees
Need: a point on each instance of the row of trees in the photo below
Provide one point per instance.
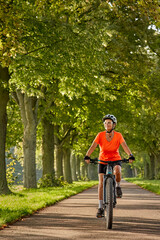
(64, 66)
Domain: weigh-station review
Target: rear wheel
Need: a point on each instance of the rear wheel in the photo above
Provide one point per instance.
(109, 205)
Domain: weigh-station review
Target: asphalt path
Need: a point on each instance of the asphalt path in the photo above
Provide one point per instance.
(136, 216)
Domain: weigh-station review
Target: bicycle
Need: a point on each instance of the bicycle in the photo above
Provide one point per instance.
(109, 190)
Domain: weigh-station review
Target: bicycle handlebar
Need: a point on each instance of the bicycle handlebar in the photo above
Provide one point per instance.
(96, 160)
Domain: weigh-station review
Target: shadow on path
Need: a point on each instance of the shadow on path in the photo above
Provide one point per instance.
(136, 216)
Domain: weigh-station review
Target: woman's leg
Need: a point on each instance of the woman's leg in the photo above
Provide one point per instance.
(117, 172)
(100, 212)
(100, 186)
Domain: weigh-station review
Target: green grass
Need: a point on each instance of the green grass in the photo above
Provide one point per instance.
(151, 185)
(25, 202)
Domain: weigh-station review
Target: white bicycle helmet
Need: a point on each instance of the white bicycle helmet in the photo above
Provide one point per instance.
(110, 116)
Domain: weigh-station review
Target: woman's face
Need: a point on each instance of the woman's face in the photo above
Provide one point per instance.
(108, 124)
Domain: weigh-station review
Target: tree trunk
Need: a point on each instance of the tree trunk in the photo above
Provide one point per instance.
(58, 154)
(146, 167)
(93, 172)
(48, 147)
(146, 170)
(67, 165)
(73, 167)
(78, 169)
(4, 97)
(83, 171)
(29, 149)
(152, 166)
(59, 161)
(86, 170)
(135, 172)
(28, 107)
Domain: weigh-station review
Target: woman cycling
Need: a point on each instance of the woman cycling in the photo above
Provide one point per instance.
(109, 142)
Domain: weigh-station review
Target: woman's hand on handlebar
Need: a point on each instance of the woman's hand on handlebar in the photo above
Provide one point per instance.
(87, 159)
(131, 158)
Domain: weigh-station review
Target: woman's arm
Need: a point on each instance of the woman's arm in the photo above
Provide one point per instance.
(90, 150)
(127, 150)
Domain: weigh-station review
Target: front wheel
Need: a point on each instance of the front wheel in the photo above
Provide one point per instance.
(109, 203)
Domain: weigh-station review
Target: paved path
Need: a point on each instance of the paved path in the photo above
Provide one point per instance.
(137, 216)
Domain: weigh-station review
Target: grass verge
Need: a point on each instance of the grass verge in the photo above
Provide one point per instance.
(151, 185)
(25, 202)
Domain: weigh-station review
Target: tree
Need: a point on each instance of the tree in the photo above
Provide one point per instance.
(28, 107)
(4, 97)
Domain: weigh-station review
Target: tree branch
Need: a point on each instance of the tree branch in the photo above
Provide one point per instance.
(47, 46)
(35, 50)
(45, 110)
(67, 134)
(14, 96)
(20, 97)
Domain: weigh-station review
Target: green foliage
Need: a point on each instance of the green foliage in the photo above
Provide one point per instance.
(49, 180)
(14, 126)
(157, 176)
(13, 168)
(11, 178)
